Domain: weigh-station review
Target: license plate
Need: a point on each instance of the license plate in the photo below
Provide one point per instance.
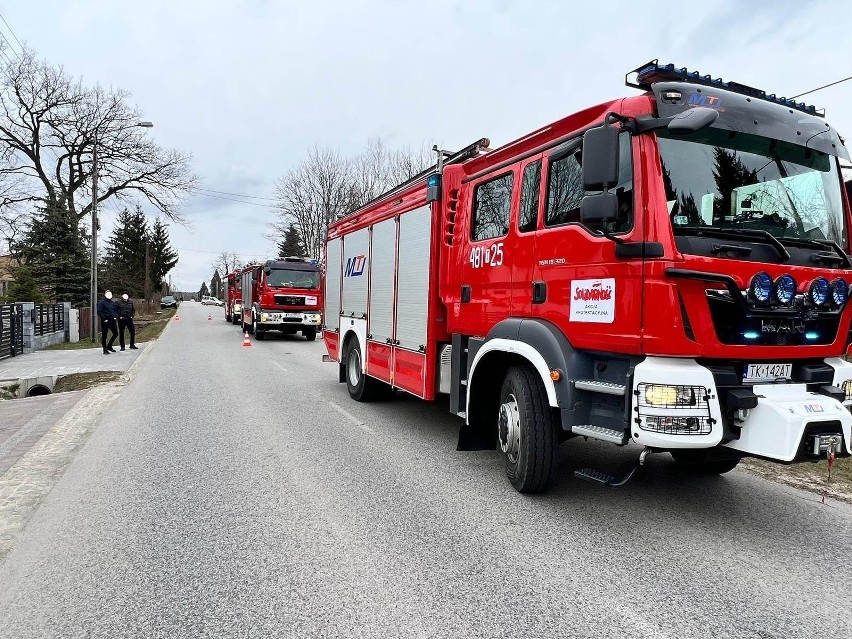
(767, 372)
(293, 315)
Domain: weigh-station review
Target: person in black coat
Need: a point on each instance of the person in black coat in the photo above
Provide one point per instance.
(126, 313)
(108, 314)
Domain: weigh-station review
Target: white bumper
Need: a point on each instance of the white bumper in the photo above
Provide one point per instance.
(785, 413)
(775, 428)
(295, 318)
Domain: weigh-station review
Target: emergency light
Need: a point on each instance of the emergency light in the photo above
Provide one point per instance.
(652, 72)
(433, 188)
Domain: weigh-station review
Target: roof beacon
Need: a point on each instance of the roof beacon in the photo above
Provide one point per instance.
(652, 72)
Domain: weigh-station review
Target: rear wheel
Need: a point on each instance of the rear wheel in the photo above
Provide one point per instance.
(361, 387)
(310, 334)
(702, 462)
(527, 431)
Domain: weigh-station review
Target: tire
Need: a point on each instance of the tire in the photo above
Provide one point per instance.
(310, 334)
(527, 431)
(259, 333)
(228, 317)
(700, 462)
(361, 387)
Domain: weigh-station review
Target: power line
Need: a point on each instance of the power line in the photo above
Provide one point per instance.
(825, 86)
(12, 32)
(252, 197)
(222, 197)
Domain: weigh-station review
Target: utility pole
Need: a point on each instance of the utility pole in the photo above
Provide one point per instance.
(94, 279)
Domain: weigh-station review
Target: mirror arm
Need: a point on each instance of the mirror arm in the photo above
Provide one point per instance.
(649, 123)
(628, 123)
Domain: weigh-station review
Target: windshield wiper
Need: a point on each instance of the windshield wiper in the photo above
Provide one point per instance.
(839, 256)
(748, 235)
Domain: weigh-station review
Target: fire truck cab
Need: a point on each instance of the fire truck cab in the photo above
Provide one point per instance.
(670, 268)
(282, 295)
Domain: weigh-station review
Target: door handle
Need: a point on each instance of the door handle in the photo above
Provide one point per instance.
(539, 295)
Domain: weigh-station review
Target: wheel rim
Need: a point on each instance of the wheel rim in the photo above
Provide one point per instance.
(353, 368)
(509, 428)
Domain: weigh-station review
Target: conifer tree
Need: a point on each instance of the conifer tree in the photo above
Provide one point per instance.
(291, 244)
(163, 258)
(123, 265)
(54, 248)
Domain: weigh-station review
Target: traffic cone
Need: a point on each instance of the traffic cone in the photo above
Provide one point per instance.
(246, 341)
(209, 317)
(177, 318)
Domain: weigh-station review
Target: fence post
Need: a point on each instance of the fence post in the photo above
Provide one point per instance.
(28, 326)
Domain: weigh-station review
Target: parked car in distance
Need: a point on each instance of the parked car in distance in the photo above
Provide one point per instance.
(210, 300)
(168, 302)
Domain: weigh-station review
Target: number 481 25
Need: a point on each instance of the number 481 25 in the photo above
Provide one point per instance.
(481, 256)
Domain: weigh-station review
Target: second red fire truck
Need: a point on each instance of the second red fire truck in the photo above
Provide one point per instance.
(669, 268)
(281, 295)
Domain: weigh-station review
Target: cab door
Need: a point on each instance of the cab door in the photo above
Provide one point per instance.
(521, 244)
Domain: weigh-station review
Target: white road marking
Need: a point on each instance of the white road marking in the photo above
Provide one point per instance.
(352, 417)
(279, 366)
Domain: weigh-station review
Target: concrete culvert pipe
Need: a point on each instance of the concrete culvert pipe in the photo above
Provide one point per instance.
(38, 389)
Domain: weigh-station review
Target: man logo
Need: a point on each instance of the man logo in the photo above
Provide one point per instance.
(355, 266)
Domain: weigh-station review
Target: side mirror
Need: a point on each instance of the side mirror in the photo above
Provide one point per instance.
(600, 158)
(596, 210)
(692, 120)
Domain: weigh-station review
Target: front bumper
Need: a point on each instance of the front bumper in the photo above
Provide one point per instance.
(782, 425)
(283, 319)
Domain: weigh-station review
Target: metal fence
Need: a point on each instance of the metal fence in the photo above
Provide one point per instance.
(48, 318)
(11, 330)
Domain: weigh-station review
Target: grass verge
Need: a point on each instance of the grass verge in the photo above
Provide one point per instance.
(82, 381)
(148, 327)
(808, 476)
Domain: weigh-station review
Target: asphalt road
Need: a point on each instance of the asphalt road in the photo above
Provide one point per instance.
(240, 492)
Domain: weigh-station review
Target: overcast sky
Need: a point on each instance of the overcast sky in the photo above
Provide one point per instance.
(248, 87)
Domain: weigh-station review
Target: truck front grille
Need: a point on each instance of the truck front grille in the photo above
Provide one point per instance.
(290, 300)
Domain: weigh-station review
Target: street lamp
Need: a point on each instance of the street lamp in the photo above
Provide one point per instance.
(93, 292)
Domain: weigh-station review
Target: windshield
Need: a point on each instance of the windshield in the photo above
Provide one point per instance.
(291, 278)
(738, 181)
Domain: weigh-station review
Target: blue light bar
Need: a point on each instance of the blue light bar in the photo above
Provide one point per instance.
(648, 74)
(811, 335)
(751, 334)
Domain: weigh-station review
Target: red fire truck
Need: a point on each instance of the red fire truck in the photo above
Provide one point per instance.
(282, 295)
(669, 268)
(233, 298)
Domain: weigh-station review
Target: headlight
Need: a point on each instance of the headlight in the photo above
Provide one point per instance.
(839, 292)
(784, 290)
(760, 287)
(671, 396)
(818, 291)
(847, 388)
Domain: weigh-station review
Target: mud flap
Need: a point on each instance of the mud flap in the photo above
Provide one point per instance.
(476, 438)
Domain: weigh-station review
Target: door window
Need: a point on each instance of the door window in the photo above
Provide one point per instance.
(565, 189)
(492, 203)
(530, 187)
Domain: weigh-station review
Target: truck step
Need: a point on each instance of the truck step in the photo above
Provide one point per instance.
(599, 432)
(596, 386)
(595, 476)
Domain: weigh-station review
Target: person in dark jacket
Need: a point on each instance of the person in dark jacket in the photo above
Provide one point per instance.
(108, 314)
(126, 313)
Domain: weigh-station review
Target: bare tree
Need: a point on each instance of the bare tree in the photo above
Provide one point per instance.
(314, 194)
(49, 125)
(227, 262)
(327, 185)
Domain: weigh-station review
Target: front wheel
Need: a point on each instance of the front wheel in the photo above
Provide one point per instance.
(258, 331)
(701, 462)
(227, 317)
(310, 334)
(527, 431)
